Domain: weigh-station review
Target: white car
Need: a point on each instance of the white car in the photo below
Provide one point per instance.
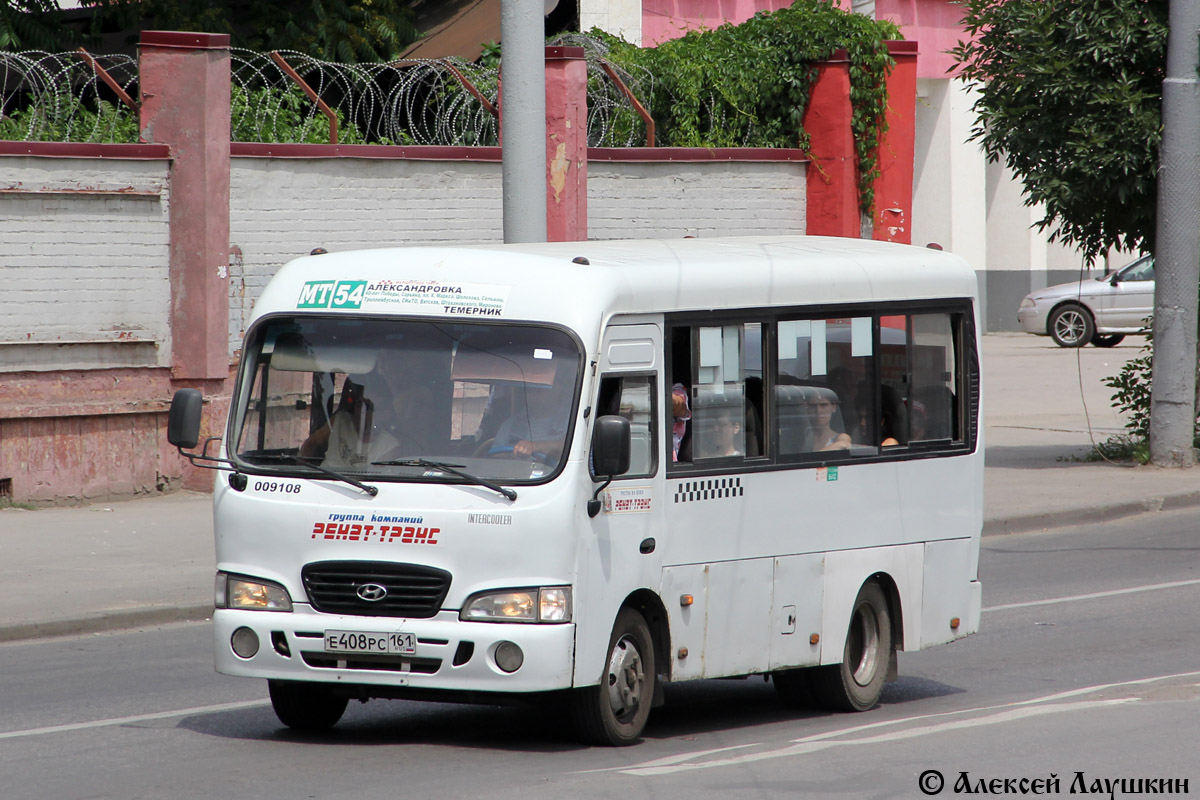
(1101, 311)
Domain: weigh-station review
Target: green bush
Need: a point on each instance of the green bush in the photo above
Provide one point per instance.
(65, 118)
(270, 114)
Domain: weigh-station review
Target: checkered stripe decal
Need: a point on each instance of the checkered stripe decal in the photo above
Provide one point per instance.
(712, 489)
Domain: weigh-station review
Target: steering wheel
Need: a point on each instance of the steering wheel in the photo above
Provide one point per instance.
(507, 450)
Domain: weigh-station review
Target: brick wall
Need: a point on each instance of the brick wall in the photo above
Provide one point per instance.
(85, 263)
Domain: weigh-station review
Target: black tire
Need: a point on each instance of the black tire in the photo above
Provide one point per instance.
(1107, 339)
(309, 707)
(856, 683)
(794, 687)
(614, 712)
(1071, 325)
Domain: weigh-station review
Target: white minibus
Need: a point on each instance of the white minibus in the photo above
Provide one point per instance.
(581, 471)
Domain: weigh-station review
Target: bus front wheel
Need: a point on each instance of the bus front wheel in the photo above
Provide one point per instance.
(306, 706)
(615, 711)
(857, 682)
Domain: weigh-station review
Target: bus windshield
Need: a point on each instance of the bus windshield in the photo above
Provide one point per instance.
(392, 399)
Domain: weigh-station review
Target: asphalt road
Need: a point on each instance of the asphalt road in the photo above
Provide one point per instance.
(1087, 663)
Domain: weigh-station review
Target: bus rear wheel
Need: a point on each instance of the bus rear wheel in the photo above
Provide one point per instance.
(857, 682)
(308, 707)
(615, 711)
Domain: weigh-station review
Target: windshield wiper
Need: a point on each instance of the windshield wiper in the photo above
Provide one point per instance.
(305, 462)
(452, 469)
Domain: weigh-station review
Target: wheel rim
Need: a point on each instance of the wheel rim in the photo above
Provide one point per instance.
(863, 645)
(626, 677)
(1069, 326)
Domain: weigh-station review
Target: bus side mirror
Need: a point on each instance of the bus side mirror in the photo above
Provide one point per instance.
(611, 446)
(183, 422)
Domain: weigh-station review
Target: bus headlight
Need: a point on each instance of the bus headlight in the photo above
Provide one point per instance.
(236, 591)
(543, 604)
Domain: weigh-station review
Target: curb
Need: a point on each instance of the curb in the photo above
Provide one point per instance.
(105, 621)
(1045, 520)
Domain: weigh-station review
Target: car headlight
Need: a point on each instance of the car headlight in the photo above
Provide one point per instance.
(236, 591)
(541, 604)
(1027, 303)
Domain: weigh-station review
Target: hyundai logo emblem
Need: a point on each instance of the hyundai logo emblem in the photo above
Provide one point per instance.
(372, 592)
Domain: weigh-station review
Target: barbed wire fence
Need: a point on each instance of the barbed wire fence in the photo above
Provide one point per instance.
(288, 96)
(65, 97)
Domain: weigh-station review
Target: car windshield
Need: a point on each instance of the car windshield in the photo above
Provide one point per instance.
(383, 399)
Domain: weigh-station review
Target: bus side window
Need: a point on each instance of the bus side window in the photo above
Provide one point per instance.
(824, 392)
(934, 378)
(727, 394)
(632, 397)
(920, 369)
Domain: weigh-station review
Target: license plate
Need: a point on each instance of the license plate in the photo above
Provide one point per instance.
(404, 644)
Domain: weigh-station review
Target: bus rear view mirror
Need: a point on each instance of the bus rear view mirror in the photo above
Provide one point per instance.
(611, 446)
(183, 422)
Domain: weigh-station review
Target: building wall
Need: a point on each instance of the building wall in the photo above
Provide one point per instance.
(669, 19)
(619, 17)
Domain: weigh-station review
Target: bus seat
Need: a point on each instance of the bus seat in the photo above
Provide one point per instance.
(795, 434)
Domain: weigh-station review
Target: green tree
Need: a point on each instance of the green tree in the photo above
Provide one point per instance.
(333, 30)
(1070, 100)
(29, 24)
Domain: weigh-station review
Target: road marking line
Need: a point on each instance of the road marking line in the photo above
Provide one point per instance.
(101, 723)
(1008, 712)
(1114, 593)
(805, 747)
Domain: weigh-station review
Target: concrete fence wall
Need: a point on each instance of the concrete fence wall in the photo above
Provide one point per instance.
(85, 263)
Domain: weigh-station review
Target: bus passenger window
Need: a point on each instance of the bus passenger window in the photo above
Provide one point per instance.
(934, 376)
(920, 372)
(632, 397)
(727, 394)
(824, 400)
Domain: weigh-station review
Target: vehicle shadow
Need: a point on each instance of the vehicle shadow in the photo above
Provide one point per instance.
(691, 709)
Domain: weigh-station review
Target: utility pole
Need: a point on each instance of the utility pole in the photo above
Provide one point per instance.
(523, 119)
(1177, 247)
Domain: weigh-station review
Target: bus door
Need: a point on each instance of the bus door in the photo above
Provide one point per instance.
(624, 553)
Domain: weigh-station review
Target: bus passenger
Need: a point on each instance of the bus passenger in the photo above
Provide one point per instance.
(821, 407)
(724, 435)
(538, 426)
(374, 420)
(680, 413)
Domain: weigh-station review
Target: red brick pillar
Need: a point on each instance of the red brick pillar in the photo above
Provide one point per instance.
(184, 81)
(566, 144)
(892, 219)
(832, 173)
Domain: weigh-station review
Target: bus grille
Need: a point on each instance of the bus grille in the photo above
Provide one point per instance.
(413, 590)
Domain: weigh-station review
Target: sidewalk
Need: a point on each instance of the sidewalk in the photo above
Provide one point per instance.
(144, 562)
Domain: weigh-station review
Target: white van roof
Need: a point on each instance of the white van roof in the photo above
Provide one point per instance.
(580, 284)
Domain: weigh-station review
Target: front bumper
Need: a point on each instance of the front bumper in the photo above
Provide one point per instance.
(451, 655)
(1032, 319)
